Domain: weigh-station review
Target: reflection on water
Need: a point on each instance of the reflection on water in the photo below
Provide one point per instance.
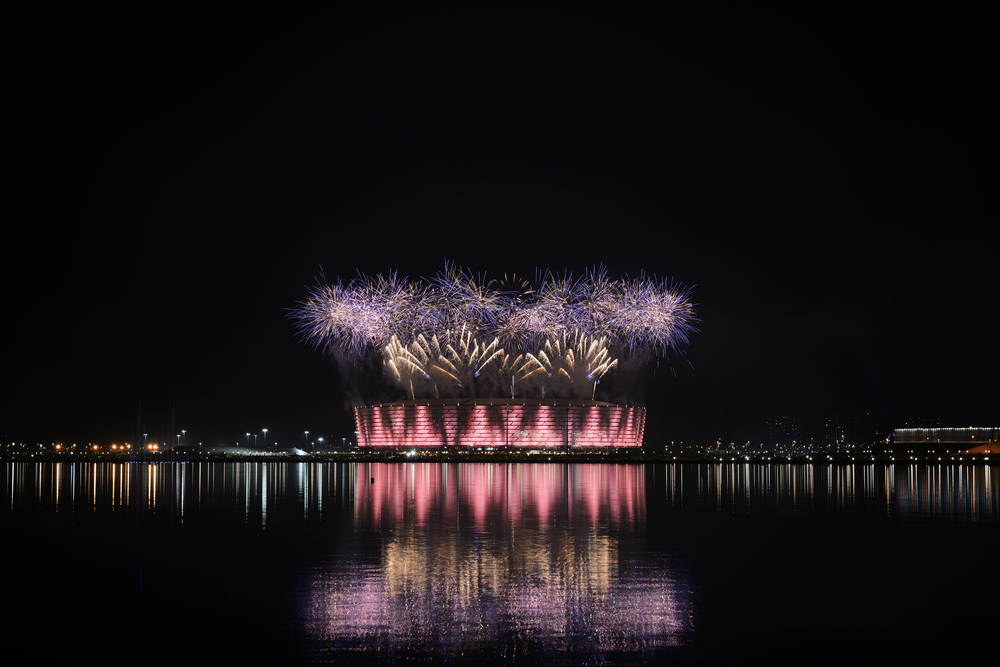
(526, 495)
(532, 563)
(170, 489)
(512, 559)
(912, 493)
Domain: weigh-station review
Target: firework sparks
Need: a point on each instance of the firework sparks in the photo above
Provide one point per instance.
(645, 316)
(570, 366)
(427, 366)
(460, 333)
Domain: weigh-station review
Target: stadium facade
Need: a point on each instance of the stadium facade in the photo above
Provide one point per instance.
(483, 423)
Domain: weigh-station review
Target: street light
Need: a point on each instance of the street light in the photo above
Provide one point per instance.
(248, 440)
(307, 438)
(185, 434)
(264, 439)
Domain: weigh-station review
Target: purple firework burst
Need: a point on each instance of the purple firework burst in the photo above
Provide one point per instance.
(641, 317)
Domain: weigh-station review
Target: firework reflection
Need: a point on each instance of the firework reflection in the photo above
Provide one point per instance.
(503, 559)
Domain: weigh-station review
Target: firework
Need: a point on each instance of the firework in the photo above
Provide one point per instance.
(569, 367)
(455, 367)
(652, 316)
(461, 335)
(408, 364)
(358, 316)
(642, 317)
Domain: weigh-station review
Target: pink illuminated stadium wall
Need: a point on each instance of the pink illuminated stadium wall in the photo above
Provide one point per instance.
(531, 426)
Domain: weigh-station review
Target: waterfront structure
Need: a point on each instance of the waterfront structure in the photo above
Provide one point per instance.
(485, 423)
(971, 439)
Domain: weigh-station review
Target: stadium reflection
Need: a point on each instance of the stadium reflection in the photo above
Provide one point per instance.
(503, 559)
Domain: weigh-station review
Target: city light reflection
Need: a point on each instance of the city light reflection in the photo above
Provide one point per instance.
(525, 495)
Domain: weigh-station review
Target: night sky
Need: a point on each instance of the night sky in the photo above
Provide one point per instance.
(173, 182)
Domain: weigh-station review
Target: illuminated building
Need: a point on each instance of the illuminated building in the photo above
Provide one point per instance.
(495, 423)
(972, 439)
(783, 432)
(847, 432)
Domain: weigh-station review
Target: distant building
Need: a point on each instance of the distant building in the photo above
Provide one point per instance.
(847, 432)
(972, 439)
(782, 434)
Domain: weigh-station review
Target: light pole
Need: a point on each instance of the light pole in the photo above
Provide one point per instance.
(248, 440)
(263, 440)
(185, 434)
(307, 438)
(321, 444)
(255, 441)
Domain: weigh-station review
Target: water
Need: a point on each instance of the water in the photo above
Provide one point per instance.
(514, 563)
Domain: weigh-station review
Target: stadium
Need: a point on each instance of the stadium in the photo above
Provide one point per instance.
(499, 424)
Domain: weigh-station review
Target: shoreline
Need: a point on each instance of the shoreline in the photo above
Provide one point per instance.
(507, 457)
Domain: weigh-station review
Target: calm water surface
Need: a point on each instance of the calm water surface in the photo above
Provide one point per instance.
(516, 563)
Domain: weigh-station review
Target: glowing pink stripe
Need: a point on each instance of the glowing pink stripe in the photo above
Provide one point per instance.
(523, 426)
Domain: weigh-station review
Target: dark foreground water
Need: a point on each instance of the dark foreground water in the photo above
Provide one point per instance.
(285, 563)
